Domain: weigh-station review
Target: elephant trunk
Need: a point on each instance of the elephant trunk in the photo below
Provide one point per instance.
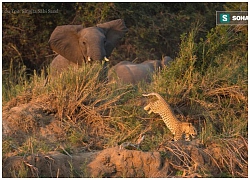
(96, 51)
(97, 54)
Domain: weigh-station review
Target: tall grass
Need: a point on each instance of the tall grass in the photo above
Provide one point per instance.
(14, 81)
(205, 85)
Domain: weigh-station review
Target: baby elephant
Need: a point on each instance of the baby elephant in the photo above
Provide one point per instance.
(129, 73)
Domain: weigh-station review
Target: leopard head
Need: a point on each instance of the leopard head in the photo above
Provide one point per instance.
(192, 130)
(188, 128)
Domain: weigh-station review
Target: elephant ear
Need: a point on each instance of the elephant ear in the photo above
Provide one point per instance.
(114, 31)
(65, 41)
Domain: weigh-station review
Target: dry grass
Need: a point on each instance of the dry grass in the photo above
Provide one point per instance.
(221, 158)
(92, 115)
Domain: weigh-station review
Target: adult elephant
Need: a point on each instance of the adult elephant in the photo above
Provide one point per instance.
(77, 45)
(130, 73)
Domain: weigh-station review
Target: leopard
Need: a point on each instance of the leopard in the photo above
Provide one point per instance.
(176, 127)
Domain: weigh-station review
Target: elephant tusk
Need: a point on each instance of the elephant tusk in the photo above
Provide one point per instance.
(89, 59)
(106, 59)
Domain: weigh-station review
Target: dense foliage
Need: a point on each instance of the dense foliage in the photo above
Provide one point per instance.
(154, 28)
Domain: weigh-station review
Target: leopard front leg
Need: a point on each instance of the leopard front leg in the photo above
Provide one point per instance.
(187, 137)
(148, 108)
(176, 137)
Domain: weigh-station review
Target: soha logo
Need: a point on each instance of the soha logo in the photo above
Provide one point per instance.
(224, 18)
(231, 17)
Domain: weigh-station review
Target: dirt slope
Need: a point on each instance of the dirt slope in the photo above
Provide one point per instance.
(224, 157)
